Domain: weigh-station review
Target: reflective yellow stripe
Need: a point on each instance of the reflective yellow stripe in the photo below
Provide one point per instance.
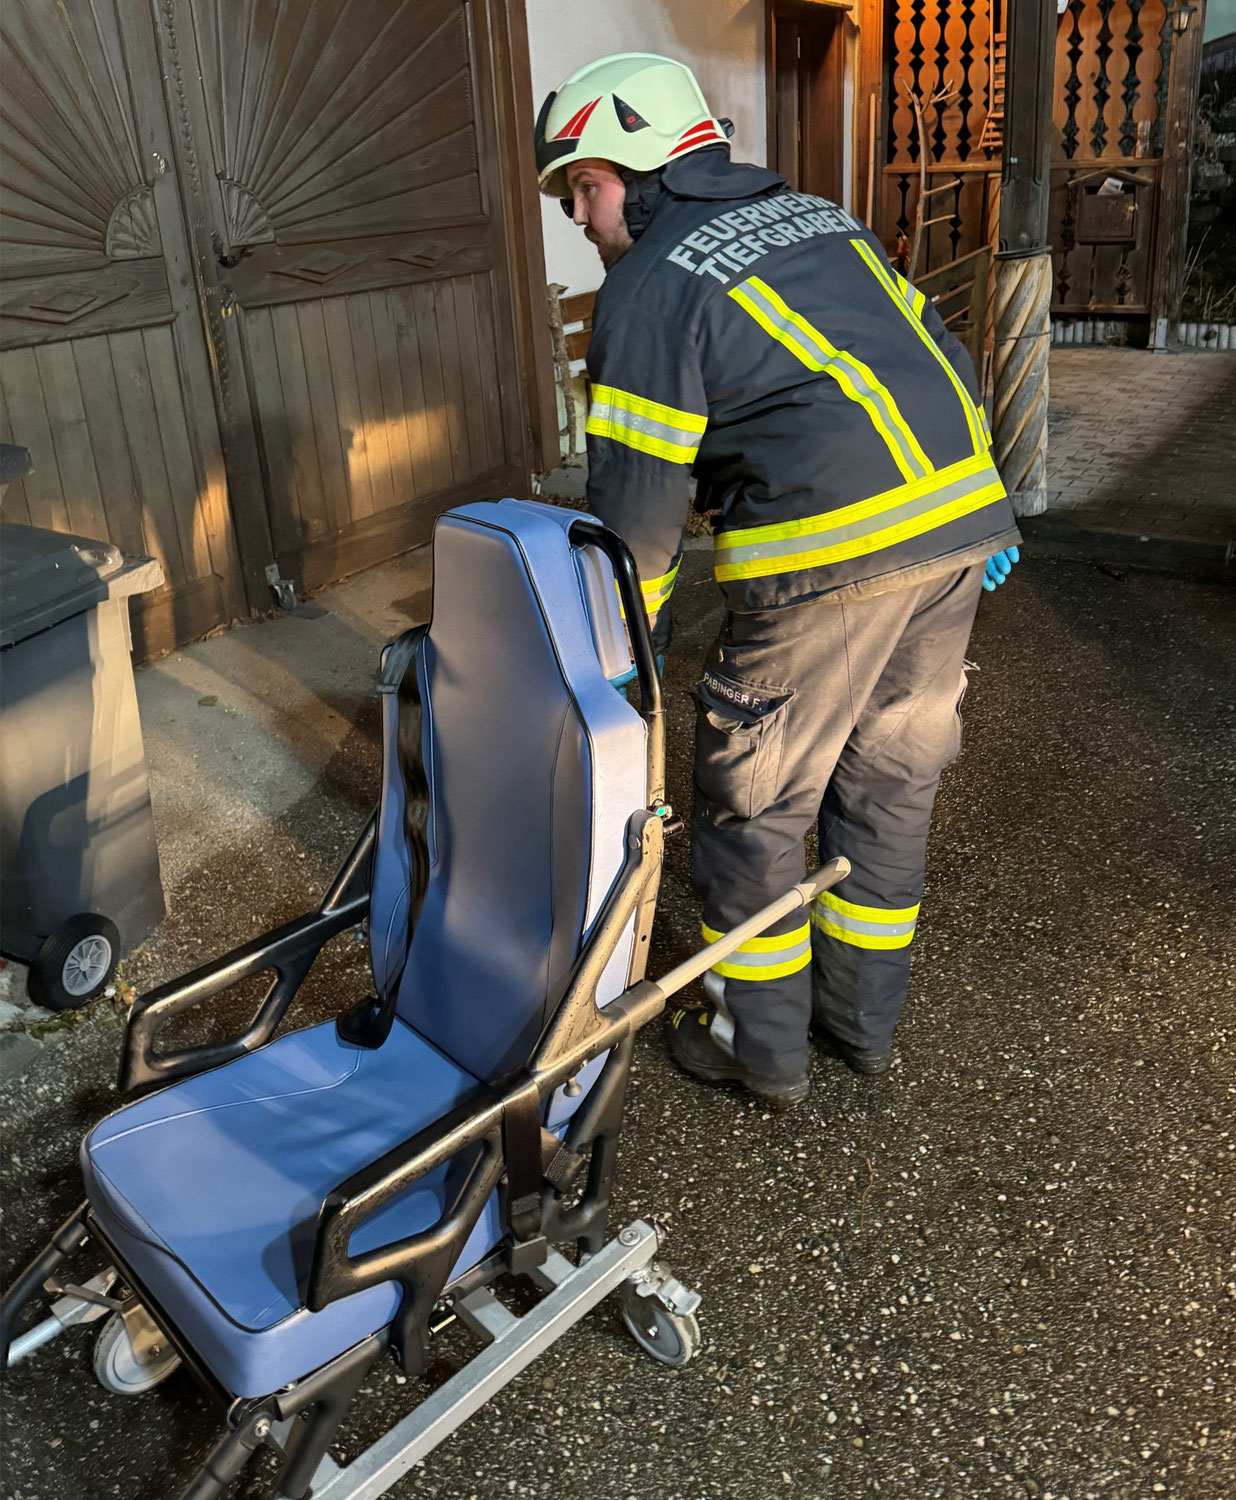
(657, 590)
(876, 927)
(647, 426)
(860, 939)
(674, 453)
(874, 506)
(759, 944)
(656, 411)
(917, 302)
(868, 913)
(858, 529)
(764, 957)
(911, 303)
(856, 379)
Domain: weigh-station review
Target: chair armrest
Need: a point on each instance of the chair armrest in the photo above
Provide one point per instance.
(475, 1124)
(289, 951)
(417, 1259)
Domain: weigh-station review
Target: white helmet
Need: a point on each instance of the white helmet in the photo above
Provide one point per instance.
(635, 109)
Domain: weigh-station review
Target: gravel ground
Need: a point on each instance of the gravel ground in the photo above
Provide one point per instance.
(1006, 1269)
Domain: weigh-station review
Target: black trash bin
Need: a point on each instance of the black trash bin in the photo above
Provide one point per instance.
(79, 868)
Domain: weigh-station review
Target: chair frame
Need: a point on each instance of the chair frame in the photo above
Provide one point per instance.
(301, 1420)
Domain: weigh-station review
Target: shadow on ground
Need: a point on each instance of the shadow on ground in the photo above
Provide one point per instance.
(1005, 1270)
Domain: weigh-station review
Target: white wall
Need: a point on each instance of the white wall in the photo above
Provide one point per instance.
(721, 41)
(1220, 17)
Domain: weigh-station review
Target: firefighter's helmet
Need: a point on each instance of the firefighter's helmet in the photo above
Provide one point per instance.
(635, 109)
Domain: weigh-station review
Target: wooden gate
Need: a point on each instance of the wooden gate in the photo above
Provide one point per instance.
(348, 163)
(262, 275)
(1113, 67)
(1111, 107)
(104, 371)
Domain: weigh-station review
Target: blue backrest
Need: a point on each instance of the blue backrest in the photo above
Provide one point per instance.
(534, 766)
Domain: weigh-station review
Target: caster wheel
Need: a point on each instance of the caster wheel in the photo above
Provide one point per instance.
(672, 1338)
(75, 963)
(118, 1368)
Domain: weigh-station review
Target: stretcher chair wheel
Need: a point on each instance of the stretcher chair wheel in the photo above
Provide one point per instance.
(117, 1366)
(673, 1338)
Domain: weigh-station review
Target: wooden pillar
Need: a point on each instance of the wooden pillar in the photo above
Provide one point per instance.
(1023, 265)
(1172, 226)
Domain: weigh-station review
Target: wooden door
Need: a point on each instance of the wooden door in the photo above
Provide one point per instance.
(104, 374)
(359, 261)
(786, 100)
(1109, 169)
(806, 74)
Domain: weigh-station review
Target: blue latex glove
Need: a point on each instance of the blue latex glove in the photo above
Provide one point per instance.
(631, 674)
(999, 567)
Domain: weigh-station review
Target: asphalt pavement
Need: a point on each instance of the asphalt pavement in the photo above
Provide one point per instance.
(1006, 1269)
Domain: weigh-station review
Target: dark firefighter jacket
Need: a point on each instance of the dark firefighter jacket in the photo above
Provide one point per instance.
(757, 338)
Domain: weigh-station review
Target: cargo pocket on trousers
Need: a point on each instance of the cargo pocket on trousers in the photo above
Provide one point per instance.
(738, 746)
(966, 668)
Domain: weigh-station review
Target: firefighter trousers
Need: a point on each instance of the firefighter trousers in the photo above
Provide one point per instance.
(844, 714)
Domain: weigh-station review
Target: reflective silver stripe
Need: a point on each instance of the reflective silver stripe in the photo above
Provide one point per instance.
(823, 535)
(607, 411)
(870, 929)
(770, 956)
(837, 362)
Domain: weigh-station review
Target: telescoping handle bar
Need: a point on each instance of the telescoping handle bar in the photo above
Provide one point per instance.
(626, 575)
(798, 896)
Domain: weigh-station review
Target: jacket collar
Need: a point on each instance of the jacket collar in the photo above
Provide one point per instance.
(703, 176)
(710, 174)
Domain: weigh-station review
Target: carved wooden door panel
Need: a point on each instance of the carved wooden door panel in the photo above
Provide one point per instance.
(1113, 66)
(104, 375)
(359, 264)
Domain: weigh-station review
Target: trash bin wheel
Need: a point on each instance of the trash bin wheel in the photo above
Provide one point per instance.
(75, 963)
(673, 1338)
(117, 1367)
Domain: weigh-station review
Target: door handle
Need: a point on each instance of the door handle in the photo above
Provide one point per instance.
(232, 257)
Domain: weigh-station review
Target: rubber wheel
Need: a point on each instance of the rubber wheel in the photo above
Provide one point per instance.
(672, 1338)
(118, 1369)
(75, 963)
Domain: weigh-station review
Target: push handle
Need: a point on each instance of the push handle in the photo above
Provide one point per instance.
(798, 896)
(593, 534)
(827, 875)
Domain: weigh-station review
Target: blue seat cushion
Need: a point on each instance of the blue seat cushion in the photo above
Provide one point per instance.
(212, 1188)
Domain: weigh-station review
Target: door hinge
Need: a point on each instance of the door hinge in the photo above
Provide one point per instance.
(283, 589)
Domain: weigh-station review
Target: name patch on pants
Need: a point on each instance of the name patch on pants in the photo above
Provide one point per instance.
(753, 701)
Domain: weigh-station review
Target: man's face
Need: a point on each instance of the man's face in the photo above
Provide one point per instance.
(598, 194)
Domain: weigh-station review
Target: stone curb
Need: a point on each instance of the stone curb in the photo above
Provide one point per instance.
(1180, 557)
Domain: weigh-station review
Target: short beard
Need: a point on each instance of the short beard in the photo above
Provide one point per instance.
(611, 253)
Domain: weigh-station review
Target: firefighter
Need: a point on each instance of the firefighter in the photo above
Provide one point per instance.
(756, 338)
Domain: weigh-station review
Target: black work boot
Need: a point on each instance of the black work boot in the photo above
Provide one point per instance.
(866, 1060)
(697, 1051)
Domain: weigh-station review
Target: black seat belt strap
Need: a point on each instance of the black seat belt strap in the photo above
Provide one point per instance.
(561, 1166)
(521, 1145)
(369, 1024)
